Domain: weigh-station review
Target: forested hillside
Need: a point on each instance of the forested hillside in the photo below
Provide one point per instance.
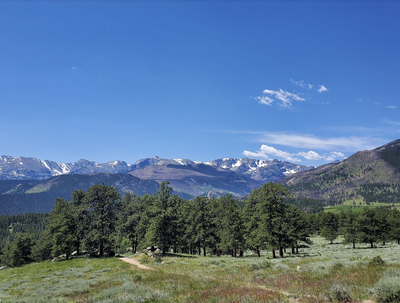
(33, 224)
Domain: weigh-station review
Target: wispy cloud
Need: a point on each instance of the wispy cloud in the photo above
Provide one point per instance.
(322, 89)
(391, 106)
(302, 84)
(268, 151)
(74, 67)
(285, 98)
(308, 141)
(392, 122)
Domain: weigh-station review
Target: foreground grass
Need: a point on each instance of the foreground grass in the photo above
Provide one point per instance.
(310, 276)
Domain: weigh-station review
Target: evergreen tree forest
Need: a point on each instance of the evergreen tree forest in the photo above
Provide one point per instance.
(100, 222)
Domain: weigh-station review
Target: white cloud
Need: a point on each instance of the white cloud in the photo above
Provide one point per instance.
(322, 89)
(337, 154)
(264, 100)
(284, 97)
(391, 106)
(74, 67)
(308, 141)
(311, 155)
(268, 151)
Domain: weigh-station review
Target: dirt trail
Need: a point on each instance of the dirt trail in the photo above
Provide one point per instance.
(134, 262)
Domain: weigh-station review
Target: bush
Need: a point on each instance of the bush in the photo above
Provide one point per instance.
(261, 265)
(392, 272)
(339, 293)
(388, 289)
(281, 267)
(145, 259)
(377, 261)
(337, 267)
(158, 259)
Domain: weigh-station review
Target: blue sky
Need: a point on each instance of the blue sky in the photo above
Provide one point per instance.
(303, 81)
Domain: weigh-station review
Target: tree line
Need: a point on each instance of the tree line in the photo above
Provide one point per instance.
(371, 225)
(101, 222)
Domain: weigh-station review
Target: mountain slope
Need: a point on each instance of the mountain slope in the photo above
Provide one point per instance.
(199, 179)
(363, 174)
(18, 197)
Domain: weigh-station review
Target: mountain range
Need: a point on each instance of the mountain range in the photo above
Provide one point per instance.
(27, 168)
(31, 185)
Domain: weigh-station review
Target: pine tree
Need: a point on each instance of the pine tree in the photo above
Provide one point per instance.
(62, 228)
(129, 218)
(231, 232)
(368, 226)
(299, 228)
(349, 228)
(18, 252)
(329, 225)
(265, 217)
(394, 225)
(80, 214)
(102, 204)
(161, 216)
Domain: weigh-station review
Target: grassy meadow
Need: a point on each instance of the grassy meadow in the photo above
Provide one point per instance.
(320, 273)
(357, 206)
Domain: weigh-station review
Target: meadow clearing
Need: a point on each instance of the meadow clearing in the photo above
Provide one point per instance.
(321, 273)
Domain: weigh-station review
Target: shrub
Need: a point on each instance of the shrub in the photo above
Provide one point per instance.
(392, 272)
(281, 267)
(261, 265)
(145, 259)
(339, 293)
(388, 289)
(158, 259)
(376, 261)
(337, 267)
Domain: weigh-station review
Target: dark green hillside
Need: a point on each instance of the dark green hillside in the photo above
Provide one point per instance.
(33, 224)
(16, 185)
(39, 196)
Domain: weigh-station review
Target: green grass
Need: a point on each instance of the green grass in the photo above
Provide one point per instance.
(317, 273)
(357, 207)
